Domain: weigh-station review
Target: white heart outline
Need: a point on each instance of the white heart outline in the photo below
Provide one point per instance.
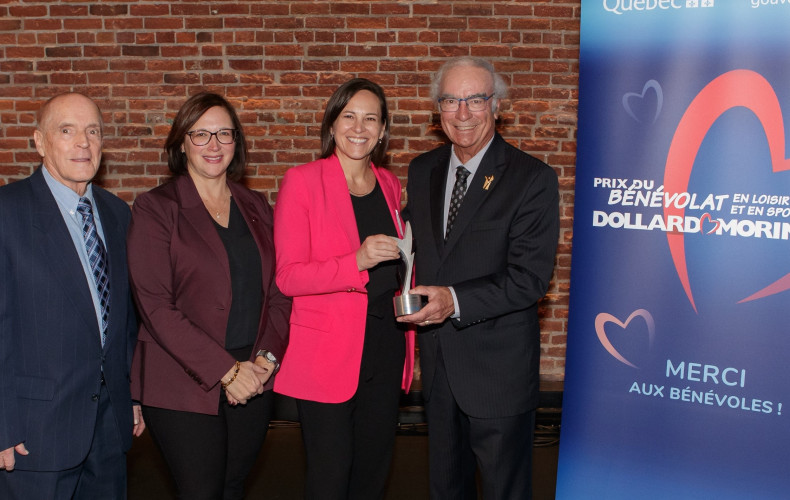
(602, 318)
(650, 84)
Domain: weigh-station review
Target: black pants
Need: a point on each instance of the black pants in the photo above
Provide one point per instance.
(499, 448)
(349, 445)
(210, 456)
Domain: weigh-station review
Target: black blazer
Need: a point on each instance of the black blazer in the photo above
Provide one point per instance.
(51, 356)
(499, 259)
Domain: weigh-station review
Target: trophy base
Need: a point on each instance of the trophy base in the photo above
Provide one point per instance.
(408, 303)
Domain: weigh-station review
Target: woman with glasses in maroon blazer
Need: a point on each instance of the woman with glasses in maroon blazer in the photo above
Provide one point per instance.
(214, 323)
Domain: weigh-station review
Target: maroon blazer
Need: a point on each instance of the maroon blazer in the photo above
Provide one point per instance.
(181, 282)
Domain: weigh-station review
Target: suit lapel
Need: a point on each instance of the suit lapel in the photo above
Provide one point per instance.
(257, 224)
(393, 202)
(339, 200)
(484, 182)
(438, 183)
(260, 226)
(61, 256)
(193, 210)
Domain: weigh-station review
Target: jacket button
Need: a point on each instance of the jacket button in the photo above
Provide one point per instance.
(95, 397)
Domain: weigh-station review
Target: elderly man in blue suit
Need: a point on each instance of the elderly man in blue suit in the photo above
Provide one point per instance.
(67, 324)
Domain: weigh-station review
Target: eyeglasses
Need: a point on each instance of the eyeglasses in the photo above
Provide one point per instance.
(223, 135)
(474, 103)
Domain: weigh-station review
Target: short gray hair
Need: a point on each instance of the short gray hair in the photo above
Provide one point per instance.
(500, 87)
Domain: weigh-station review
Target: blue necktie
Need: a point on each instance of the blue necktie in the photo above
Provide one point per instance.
(459, 190)
(97, 257)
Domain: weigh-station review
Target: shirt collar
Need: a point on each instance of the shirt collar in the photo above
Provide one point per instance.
(473, 162)
(65, 196)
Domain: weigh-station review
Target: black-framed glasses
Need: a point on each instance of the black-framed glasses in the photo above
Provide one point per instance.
(223, 135)
(474, 103)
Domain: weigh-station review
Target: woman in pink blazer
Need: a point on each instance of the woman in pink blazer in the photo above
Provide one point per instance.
(347, 358)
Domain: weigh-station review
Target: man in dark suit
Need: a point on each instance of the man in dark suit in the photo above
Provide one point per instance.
(67, 326)
(485, 221)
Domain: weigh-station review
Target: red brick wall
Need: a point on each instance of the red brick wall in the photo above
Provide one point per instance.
(278, 62)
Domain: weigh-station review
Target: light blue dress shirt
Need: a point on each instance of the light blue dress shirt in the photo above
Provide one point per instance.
(67, 201)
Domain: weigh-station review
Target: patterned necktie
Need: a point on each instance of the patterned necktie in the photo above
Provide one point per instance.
(97, 257)
(459, 190)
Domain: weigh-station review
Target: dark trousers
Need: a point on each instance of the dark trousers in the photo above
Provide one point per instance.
(210, 456)
(458, 443)
(101, 475)
(349, 445)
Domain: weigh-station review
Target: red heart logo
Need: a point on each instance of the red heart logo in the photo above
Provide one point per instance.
(703, 225)
(603, 318)
(735, 88)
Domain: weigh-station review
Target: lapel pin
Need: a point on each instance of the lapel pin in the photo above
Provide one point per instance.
(487, 183)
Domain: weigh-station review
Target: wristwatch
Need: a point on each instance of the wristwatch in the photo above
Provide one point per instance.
(268, 356)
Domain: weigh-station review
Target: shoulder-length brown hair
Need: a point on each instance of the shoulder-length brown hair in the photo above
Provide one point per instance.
(338, 102)
(185, 119)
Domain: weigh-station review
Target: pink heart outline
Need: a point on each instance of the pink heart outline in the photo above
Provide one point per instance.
(735, 88)
(600, 322)
(650, 84)
(716, 222)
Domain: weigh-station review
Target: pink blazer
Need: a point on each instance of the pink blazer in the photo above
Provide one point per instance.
(316, 239)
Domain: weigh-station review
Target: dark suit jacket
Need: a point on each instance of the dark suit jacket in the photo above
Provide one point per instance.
(51, 356)
(181, 281)
(499, 259)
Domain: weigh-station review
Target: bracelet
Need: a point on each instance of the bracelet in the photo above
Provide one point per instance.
(233, 377)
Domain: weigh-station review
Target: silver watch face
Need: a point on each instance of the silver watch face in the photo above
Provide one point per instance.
(270, 357)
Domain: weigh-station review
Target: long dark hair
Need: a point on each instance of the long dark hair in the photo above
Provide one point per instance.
(338, 102)
(187, 116)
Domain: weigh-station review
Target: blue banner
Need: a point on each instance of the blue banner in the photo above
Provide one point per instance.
(676, 376)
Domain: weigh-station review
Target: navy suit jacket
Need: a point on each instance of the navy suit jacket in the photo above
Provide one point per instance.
(51, 357)
(499, 259)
